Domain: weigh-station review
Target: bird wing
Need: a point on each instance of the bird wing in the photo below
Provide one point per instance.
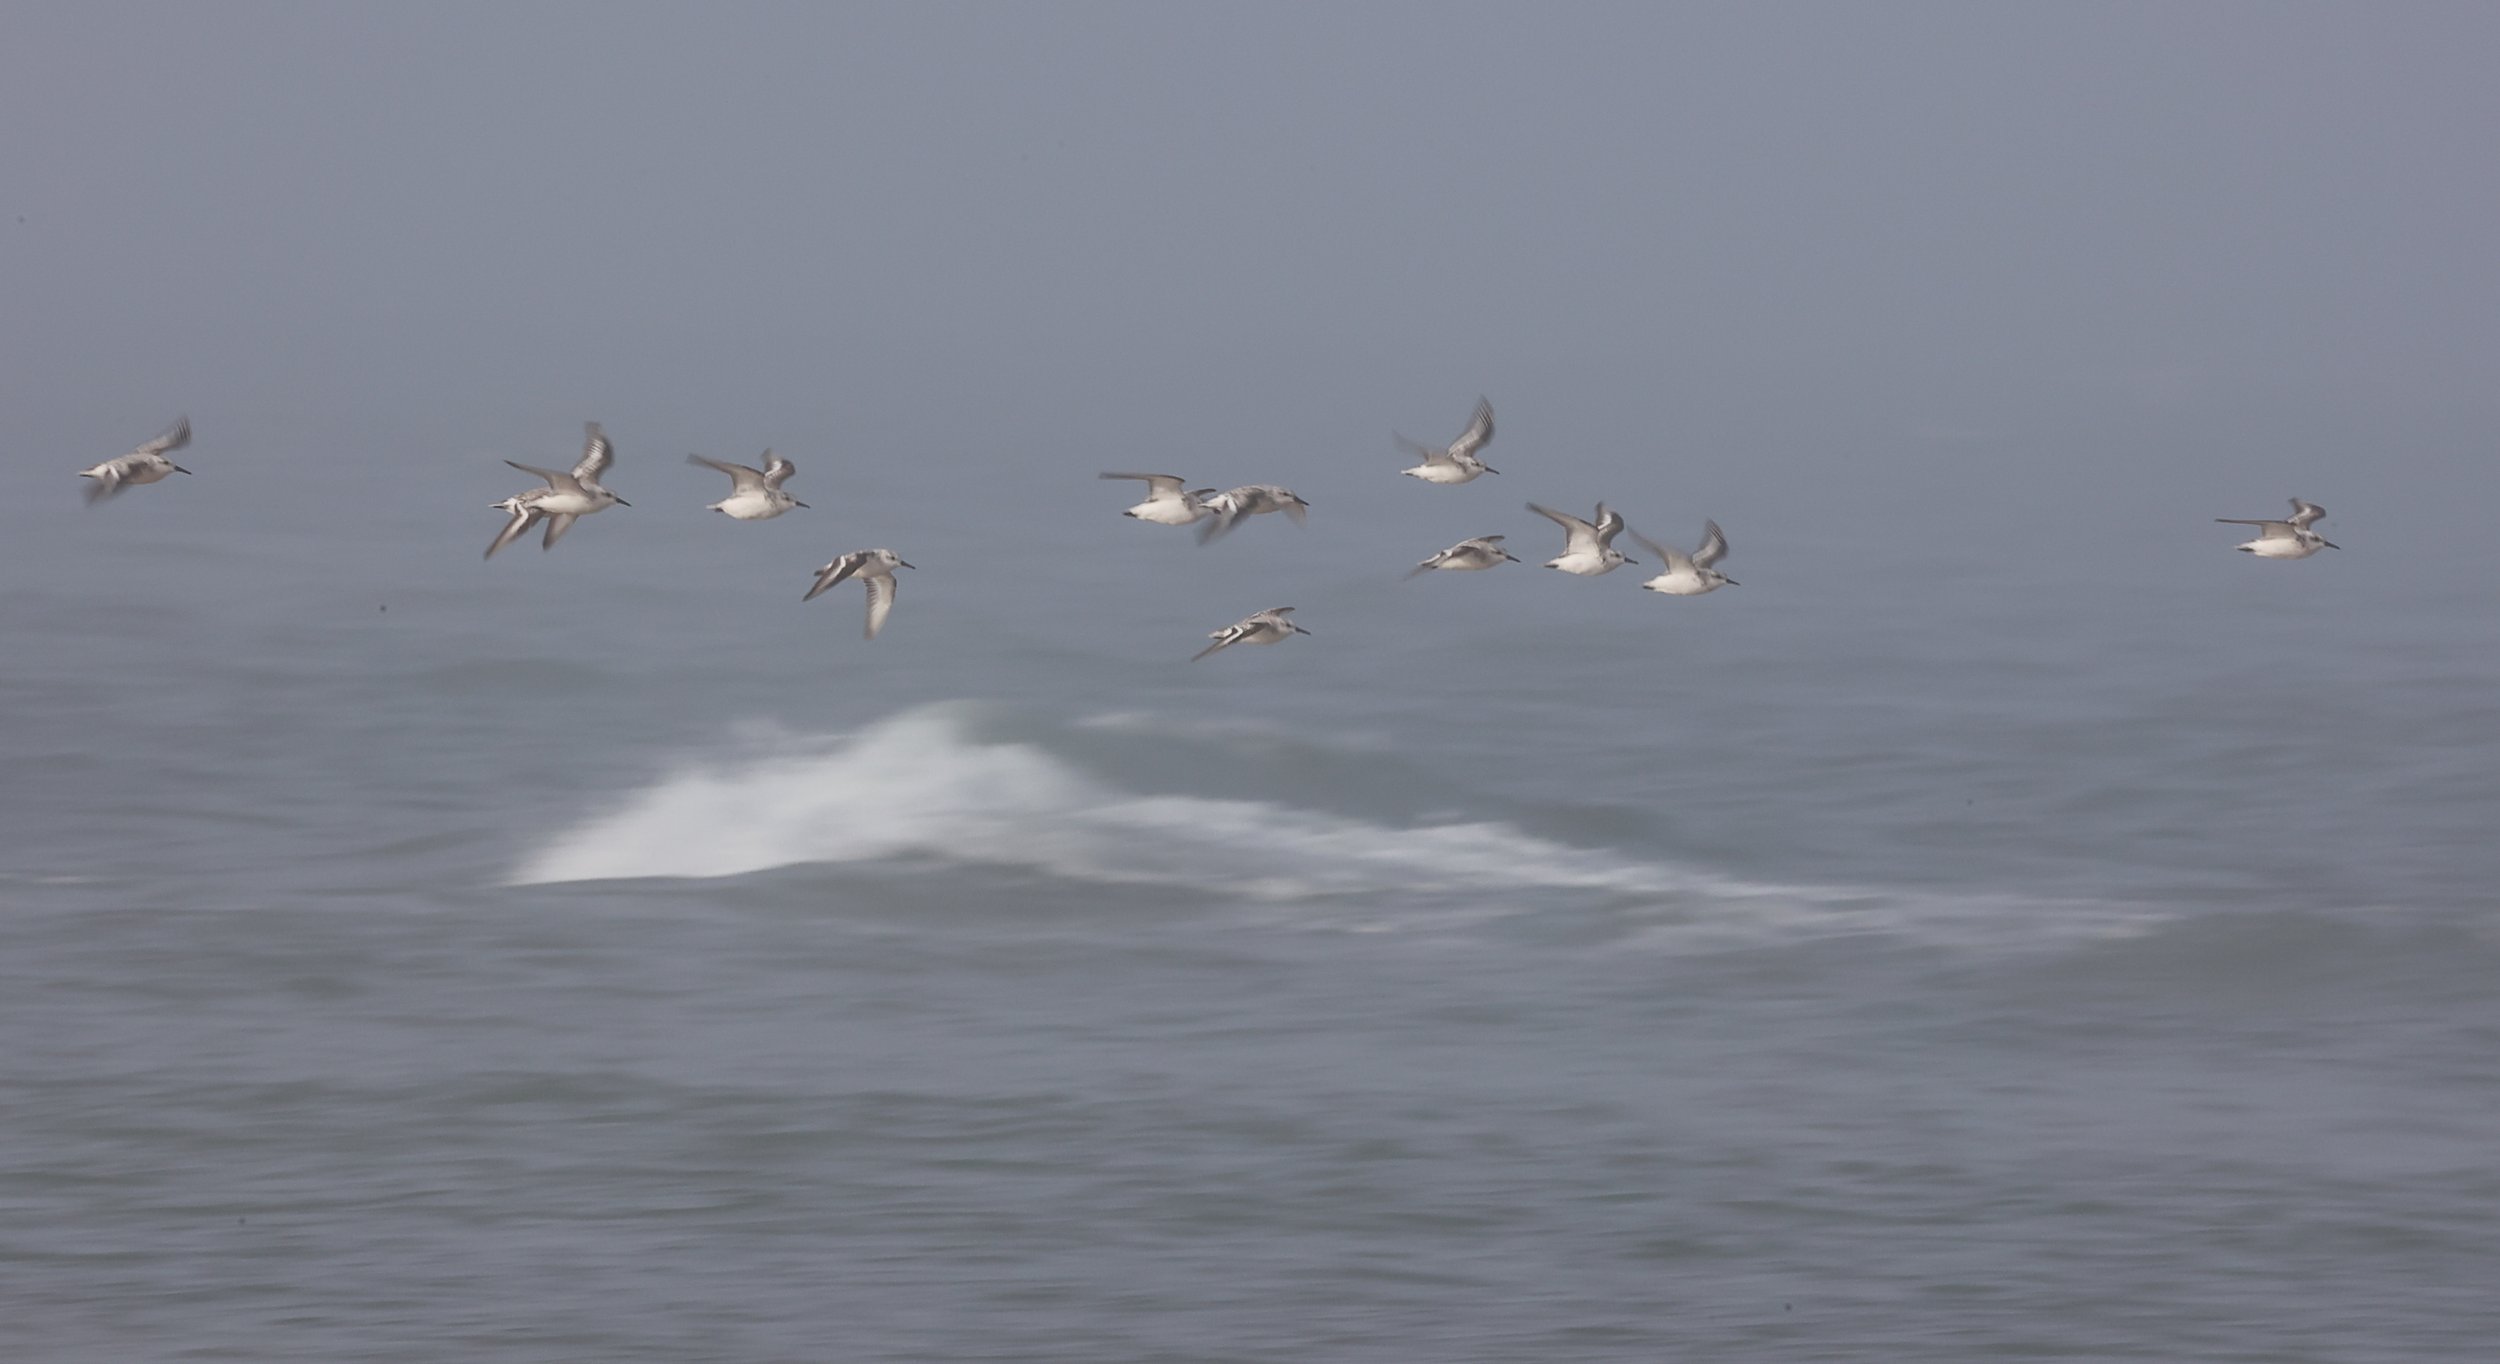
(2273, 530)
(514, 529)
(1609, 524)
(880, 600)
(1293, 507)
(175, 437)
(1665, 555)
(108, 481)
(741, 477)
(1713, 545)
(557, 524)
(1224, 638)
(597, 454)
(556, 478)
(2305, 514)
(1582, 534)
(835, 572)
(1479, 432)
(1159, 486)
(777, 470)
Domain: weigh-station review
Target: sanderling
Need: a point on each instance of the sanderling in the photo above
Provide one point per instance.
(1167, 502)
(1690, 575)
(875, 567)
(1251, 499)
(567, 496)
(2289, 538)
(1485, 551)
(146, 464)
(1267, 627)
(1590, 549)
(1459, 462)
(754, 494)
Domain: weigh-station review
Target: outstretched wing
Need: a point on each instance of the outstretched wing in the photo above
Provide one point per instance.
(2273, 530)
(2305, 514)
(1609, 524)
(1157, 485)
(742, 478)
(1582, 534)
(835, 572)
(175, 437)
(1713, 545)
(880, 600)
(1665, 555)
(1224, 638)
(777, 470)
(1479, 432)
(514, 529)
(556, 478)
(557, 524)
(597, 454)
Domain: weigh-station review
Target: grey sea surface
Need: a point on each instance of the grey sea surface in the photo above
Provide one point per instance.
(1928, 950)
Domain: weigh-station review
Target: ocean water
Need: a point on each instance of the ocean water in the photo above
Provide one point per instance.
(1928, 950)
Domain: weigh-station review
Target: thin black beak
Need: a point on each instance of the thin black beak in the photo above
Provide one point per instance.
(1630, 560)
(623, 503)
(2330, 544)
(901, 564)
(1300, 631)
(1491, 470)
(1731, 582)
(797, 503)
(180, 470)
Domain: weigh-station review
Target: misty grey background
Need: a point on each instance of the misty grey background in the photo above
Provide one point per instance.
(2009, 923)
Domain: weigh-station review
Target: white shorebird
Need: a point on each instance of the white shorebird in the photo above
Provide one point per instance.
(1267, 627)
(2289, 538)
(1458, 462)
(1485, 551)
(1167, 502)
(875, 567)
(567, 496)
(1250, 499)
(1589, 549)
(1690, 575)
(754, 494)
(146, 464)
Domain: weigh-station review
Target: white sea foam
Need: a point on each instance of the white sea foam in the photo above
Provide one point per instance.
(922, 784)
(926, 784)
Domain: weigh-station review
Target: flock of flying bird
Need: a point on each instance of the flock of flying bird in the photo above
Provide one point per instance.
(757, 495)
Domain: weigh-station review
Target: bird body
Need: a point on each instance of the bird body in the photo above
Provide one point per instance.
(1588, 548)
(1251, 499)
(754, 494)
(873, 567)
(147, 464)
(1168, 503)
(1459, 461)
(1267, 627)
(2289, 538)
(1689, 575)
(568, 496)
(1485, 551)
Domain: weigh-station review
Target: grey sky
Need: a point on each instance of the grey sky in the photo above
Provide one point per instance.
(1801, 255)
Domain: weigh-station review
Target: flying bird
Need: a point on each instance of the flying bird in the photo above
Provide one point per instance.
(1458, 461)
(1588, 549)
(1485, 551)
(874, 567)
(754, 494)
(1167, 502)
(146, 464)
(1690, 575)
(1252, 499)
(2289, 538)
(1267, 627)
(568, 496)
